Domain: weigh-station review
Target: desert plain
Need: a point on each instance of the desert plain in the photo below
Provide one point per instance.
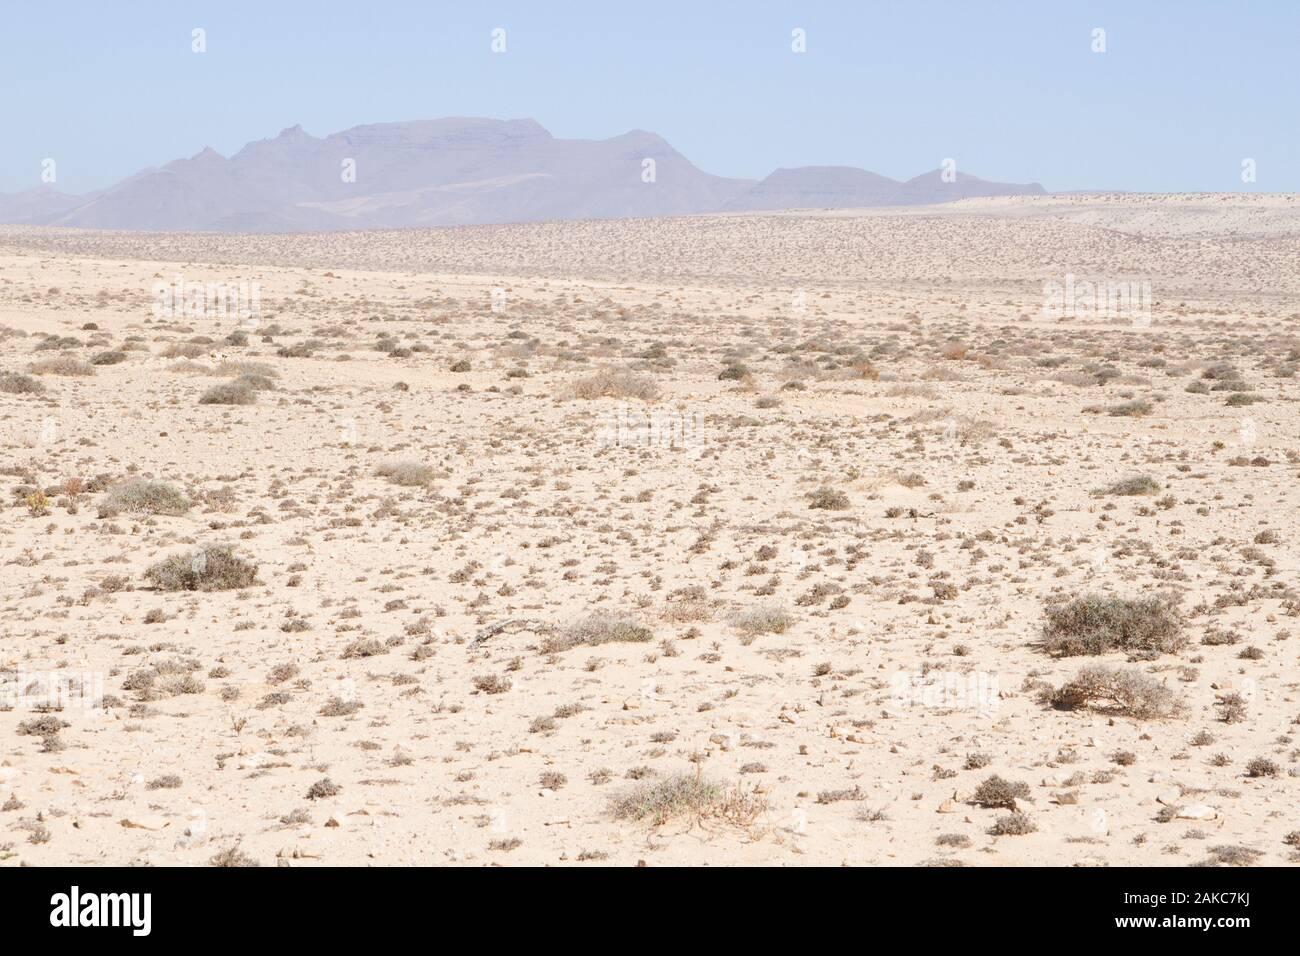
(803, 538)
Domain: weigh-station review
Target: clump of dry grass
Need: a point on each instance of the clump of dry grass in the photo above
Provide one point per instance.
(213, 568)
(1097, 623)
(1126, 692)
(1013, 824)
(62, 365)
(15, 383)
(683, 794)
(599, 628)
(762, 620)
(408, 473)
(1136, 485)
(236, 392)
(141, 497)
(613, 383)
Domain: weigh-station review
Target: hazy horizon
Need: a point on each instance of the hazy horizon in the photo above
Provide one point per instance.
(1015, 95)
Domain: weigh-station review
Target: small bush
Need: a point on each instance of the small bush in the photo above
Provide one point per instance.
(214, 568)
(232, 857)
(15, 383)
(613, 383)
(140, 497)
(996, 792)
(1128, 693)
(1262, 767)
(1233, 708)
(325, 787)
(762, 620)
(600, 628)
(1137, 485)
(1135, 409)
(1013, 824)
(492, 684)
(63, 365)
(407, 473)
(1096, 624)
(1237, 399)
(664, 799)
(236, 392)
(828, 499)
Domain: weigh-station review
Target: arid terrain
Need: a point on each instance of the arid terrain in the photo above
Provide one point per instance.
(782, 539)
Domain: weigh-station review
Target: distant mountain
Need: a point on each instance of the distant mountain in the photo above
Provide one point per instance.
(819, 187)
(455, 171)
(845, 187)
(35, 206)
(931, 188)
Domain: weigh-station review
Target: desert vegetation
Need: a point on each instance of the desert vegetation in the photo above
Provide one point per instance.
(641, 561)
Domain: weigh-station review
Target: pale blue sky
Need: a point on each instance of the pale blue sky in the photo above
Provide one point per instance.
(1012, 90)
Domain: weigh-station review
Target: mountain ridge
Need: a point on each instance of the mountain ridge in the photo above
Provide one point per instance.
(456, 171)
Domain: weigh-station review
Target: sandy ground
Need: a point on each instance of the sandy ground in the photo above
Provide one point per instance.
(698, 665)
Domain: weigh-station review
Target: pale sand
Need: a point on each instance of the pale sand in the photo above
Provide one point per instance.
(530, 517)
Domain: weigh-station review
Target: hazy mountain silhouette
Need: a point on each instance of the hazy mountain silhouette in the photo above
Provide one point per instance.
(455, 171)
(846, 187)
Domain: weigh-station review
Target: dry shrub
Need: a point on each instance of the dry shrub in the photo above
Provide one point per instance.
(599, 628)
(997, 792)
(828, 499)
(762, 620)
(214, 568)
(1123, 691)
(1096, 624)
(140, 497)
(232, 857)
(688, 605)
(684, 794)
(1136, 485)
(613, 383)
(407, 473)
(62, 365)
(15, 383)
(237, 392)
(1013, 824)
(970, 431)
